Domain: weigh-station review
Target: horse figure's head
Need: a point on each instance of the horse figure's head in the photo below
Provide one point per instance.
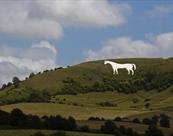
(105, 62)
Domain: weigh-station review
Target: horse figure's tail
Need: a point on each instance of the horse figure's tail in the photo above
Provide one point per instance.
(134, 66)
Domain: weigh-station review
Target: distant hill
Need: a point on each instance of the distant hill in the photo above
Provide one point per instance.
(151, 74)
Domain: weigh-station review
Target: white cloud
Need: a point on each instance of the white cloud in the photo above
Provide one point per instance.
(160, 10)
(15, 20)
(85, 12)
(47, 19)
(124, 47)
(165, 41)
(21, 62)
(45, 44)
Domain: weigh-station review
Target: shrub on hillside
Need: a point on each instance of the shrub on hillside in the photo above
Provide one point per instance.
(107, 104)
(147, 105)
(136, 120)
(147, 99)
(71, 87)
(135, 100)
(15, 81)
(118, 119)
(96, 119)
(31, 75)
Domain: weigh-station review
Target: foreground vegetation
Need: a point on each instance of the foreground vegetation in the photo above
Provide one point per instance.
(32, 132)
(16, 119)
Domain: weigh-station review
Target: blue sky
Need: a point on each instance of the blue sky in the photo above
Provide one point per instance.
(136, 29)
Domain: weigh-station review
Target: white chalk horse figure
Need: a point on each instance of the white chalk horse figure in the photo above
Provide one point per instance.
(115, 66)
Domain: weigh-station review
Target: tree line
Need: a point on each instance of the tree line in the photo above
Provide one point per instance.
(111, 128)
(17, 119)
(161, 120)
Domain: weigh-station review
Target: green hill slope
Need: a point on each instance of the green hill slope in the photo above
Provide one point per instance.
(151, 74)
(90, 72)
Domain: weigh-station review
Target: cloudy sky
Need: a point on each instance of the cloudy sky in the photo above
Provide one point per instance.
(41, 34)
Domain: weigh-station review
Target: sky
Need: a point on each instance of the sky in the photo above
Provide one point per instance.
(41, 34)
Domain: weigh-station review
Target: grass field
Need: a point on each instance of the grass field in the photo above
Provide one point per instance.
(121, 101)
(83, 106)
(46, 132)
(79, 113)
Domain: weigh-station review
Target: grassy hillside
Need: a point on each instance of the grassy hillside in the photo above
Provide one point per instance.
(90, 89)
(102, 104)
(90, 77)
(79, 113)
(87, 73)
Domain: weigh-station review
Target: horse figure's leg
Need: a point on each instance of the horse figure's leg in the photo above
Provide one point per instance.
(113, 71)
(132, 72)
(128, 71)
(116, 71)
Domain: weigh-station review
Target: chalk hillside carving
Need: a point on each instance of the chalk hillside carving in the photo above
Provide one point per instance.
(115, 66)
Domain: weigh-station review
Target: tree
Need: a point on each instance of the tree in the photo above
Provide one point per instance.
(4, 118)
(34, 122)
(122, 129)
(71, 124)
(109, 127)
(129, 132)
(31, 75)
(3, 86)
(9, 84)
(85, 128)
(164, 121)
(16, 81)
(118, 119)
(136, 120)
(118, 133)
(18, 118)
(153, 131)
(155, 119)
(146, 121)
